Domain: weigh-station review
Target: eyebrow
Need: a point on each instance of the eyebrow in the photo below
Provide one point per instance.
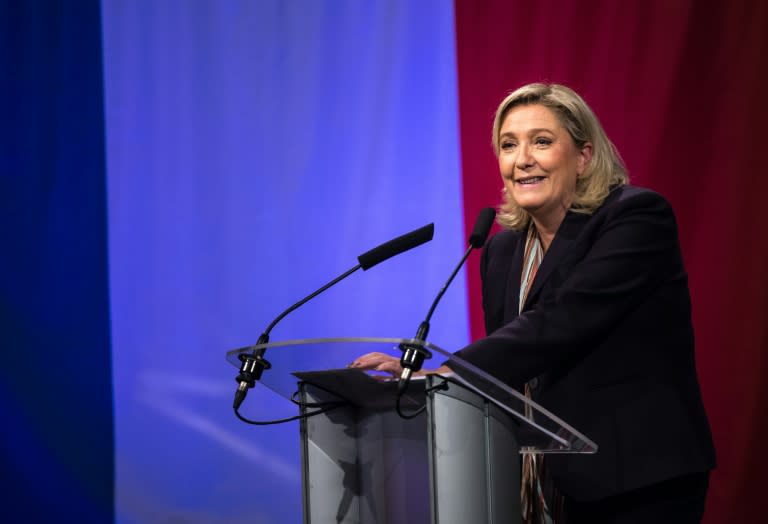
(530, 131)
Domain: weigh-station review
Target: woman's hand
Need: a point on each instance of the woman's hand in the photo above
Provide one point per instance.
(389, 364)
(378, 362)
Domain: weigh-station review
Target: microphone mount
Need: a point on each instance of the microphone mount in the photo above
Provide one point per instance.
(251, 367)
(414, 355)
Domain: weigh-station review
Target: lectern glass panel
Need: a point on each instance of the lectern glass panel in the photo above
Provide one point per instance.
(539, 430)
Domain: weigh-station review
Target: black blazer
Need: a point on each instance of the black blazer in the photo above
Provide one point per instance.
(605, 336)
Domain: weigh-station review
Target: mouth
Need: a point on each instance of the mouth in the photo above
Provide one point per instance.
(529, 180)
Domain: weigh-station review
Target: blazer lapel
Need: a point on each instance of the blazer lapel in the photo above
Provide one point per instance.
(512, 302)
(558, 250)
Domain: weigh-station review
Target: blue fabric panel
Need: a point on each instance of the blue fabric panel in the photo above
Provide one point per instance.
(56, 451)
(254, 150)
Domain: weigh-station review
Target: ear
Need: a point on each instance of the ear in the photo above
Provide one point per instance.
(584, 156)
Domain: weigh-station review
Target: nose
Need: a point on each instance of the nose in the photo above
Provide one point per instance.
(524, 158)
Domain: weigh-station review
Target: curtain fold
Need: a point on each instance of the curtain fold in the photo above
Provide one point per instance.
(679, 88)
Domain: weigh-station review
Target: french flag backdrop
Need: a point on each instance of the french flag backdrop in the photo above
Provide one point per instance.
(176, 173)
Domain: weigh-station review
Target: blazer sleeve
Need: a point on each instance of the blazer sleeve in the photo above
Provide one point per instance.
(632, 251)
(484, 256)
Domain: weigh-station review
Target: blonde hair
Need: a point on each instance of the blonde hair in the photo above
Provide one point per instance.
(604, 170)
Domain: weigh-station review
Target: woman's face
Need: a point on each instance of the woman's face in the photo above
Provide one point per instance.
(540, 162)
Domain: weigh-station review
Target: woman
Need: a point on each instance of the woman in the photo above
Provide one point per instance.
(587, 308)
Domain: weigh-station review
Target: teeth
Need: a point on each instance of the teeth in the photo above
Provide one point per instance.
(532, 180)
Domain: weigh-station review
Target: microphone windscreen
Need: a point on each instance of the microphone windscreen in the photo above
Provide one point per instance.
(396, 246)
(482, 227)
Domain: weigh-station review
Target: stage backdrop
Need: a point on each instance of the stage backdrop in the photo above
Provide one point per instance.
(254, 150)
(680, 88)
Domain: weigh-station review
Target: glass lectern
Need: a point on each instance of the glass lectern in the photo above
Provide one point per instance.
(457, 461)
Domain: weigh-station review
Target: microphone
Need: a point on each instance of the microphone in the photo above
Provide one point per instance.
(414, 354)
(253, 364)
(396, 246)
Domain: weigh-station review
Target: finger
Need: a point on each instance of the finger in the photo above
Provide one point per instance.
(361, 363)
(392, 367)
(369, 360)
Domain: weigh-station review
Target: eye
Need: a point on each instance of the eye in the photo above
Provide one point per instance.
(507, 145)
(543, 141)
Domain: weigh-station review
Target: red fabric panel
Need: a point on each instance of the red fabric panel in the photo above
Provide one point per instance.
(680, 89)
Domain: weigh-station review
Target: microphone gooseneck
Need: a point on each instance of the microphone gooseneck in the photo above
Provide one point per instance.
(253, 364)
(415, 353)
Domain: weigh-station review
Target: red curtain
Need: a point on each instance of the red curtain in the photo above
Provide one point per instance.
(679, 87)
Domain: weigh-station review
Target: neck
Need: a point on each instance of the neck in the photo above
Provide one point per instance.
(547, 227)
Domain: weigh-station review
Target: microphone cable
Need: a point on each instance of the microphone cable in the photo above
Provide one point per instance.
(323, 407)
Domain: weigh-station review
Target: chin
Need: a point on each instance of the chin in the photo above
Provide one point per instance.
(530, 203)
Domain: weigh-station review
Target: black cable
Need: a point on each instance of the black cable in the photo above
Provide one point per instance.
(315, 404)
(329, 407)
(407, 416)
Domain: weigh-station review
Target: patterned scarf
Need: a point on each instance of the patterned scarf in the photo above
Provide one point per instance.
(533, 503)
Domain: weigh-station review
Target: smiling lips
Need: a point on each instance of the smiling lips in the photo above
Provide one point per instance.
(529, 180)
